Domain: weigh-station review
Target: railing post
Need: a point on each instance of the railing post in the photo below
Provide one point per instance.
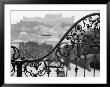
(57, 72)
(94, 65)
(19, 68)
(48, 71)
(84, 64)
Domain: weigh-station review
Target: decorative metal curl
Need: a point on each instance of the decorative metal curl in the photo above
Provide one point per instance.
(84, 33)
(36, 66)
(16, 54)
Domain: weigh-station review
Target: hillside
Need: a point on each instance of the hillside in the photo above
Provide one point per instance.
(32, 29)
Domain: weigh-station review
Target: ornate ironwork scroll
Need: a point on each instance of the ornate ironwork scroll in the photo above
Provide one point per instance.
(82, 38)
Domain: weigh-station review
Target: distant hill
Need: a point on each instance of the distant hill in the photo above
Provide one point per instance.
(33, 28)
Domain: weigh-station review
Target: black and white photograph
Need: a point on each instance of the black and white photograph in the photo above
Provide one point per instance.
(56, 42)
(34, 34)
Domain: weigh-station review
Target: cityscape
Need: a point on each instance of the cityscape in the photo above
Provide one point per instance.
(36, 37)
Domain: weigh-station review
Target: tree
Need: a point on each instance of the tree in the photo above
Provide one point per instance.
(34, 50)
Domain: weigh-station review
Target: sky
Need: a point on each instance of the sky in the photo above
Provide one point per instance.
(16, 16)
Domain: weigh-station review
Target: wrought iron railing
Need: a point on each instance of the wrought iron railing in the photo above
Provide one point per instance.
(82, 38)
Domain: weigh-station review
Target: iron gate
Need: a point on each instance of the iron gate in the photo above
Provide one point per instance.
(82, 38)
